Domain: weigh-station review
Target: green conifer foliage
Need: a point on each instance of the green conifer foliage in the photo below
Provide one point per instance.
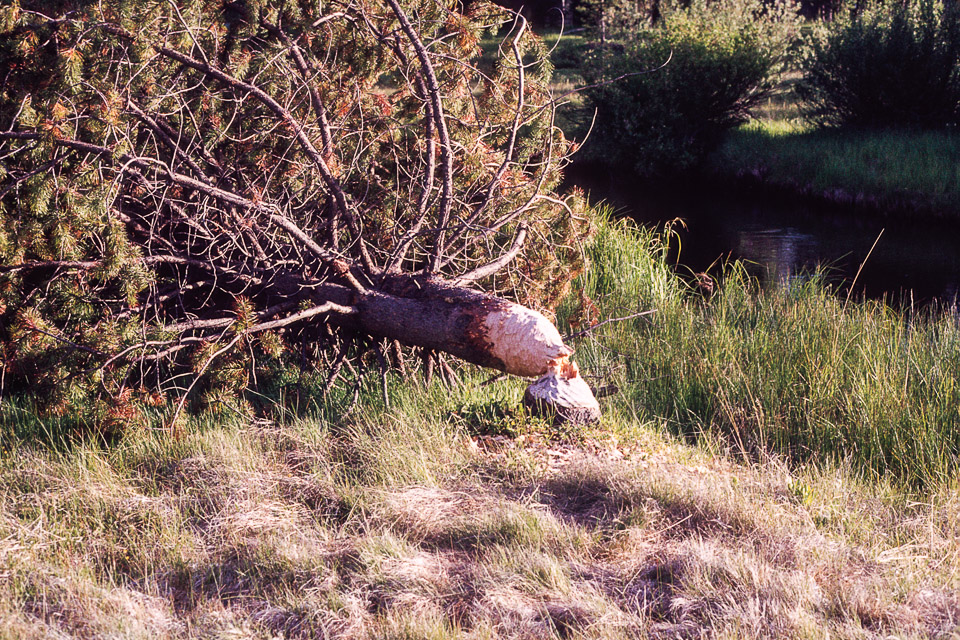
(176, 174)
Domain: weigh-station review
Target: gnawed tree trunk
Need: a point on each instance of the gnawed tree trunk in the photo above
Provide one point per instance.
(485, 330)
(562, 395)
(480, 328)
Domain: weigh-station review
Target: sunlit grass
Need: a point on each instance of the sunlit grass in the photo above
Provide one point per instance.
(906, 171)
(794, 370)
(818, 501)
(265, 530)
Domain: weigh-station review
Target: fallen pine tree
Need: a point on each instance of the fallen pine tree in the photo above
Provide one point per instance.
(190, 186)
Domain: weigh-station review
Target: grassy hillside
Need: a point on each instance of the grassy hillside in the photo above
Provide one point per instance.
(773, 466)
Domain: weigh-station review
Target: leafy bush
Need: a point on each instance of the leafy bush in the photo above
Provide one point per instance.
(895, 64)
(723, 59)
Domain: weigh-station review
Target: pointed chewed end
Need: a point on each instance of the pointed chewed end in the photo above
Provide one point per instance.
(525, 341)
(529, 345)
(563, 396)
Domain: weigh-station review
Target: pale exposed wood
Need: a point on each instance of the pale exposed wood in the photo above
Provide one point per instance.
(562, 399)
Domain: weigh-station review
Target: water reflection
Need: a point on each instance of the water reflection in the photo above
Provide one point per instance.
(783, 239)
(781, 253)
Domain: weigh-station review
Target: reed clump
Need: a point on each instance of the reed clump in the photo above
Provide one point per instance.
(795, 369)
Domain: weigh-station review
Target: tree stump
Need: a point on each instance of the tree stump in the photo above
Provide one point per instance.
(562, 395)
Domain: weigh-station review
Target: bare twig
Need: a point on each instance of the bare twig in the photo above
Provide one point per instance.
(335, 369)
(580, 334)
(446, 151)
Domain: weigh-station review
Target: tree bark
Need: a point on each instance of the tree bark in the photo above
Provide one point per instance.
(434, 314)
(485, 330)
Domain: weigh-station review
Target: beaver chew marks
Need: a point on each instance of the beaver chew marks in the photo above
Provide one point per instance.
(524, 340)
(561, 394)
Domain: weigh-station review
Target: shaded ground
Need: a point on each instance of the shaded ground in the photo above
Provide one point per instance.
(392, 530)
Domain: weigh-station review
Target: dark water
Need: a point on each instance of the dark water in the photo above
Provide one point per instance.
(784, 238)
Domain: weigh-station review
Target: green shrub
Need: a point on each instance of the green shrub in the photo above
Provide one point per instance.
(893, 64)
(723, 59)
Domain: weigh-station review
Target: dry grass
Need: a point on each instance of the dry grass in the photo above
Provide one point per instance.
(265, 531)
(398, 523)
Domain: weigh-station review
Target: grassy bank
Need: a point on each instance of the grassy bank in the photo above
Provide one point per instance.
(900, 172)
(897, 172)
(793, 370)
(818, 502)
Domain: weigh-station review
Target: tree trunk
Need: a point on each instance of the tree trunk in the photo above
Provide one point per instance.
(563, 396)
(485, 330)
(432, 313)
(482, 329)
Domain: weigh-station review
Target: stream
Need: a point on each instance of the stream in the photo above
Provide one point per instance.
(781, 239)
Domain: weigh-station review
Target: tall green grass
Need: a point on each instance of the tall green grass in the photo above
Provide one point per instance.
(895, 170)
(795, 370)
